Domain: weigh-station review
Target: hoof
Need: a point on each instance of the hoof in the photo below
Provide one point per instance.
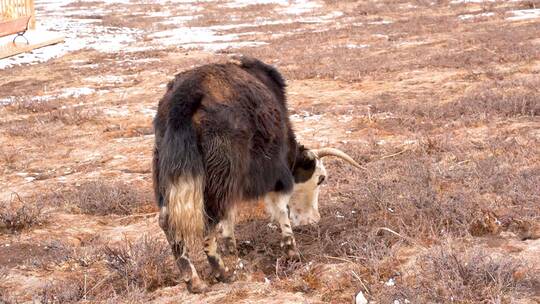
(224, 276)
(228, 277)
(289, 247)
(293, 254)
(197, 286)
(229, 247)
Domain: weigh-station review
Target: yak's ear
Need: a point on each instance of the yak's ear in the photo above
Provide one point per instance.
(304, 166)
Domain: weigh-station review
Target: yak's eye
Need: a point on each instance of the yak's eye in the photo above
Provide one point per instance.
(321, 179)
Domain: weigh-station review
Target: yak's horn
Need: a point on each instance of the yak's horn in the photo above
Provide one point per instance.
(322, 152)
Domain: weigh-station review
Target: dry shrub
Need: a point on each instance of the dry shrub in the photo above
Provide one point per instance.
(66, 291)
(491, 99)
(87, 287)
(147, 263)
(27, 128)
(42, 125)
(74, 115)
(132, 296)
(506, 98)
(18, 214)
(54, 253)
(10, 158)
(106, 198)
(6, 297)
(25, 105)
(444, 274)
(235, 294)
(487, 45)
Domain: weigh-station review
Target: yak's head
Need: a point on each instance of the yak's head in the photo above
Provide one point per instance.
(309, 173)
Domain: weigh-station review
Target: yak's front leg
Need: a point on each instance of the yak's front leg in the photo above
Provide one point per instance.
(276, 204)
(180, 251)
(219, 270)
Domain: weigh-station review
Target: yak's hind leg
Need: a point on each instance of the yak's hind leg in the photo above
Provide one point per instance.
(227, 232)
(223, 169)
(219, 270)
(180, 251)
(276, 204)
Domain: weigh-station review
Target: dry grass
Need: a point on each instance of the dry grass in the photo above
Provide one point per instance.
(44, 124)
(463, 94)
(11, 158)
(504, 98)
(67, 291)
(6, 298)
(30, 128)
(27, 106)
(439, 188)
(54, 253)
(107, 198)
(146, 263)
(445, 274)
(19, 214)
(74, 115)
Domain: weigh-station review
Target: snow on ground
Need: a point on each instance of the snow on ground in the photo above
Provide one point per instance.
(244, 3)
(64, 93)
(469, 1)
(471, 16)
(80, 29)
(85, 28)
(524, 14)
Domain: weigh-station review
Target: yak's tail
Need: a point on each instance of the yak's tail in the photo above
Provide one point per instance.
(181, 170)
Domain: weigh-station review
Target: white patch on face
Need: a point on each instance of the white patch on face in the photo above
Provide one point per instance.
(304, 203)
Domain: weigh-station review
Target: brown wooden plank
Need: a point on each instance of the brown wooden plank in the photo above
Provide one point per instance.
(11, 49)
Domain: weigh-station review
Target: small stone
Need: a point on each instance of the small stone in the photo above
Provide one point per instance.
(360, 299)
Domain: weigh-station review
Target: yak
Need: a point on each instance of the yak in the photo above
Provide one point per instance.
(223, 136)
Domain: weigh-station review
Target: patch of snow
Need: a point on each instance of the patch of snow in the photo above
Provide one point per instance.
(244, 3)
(381, 22)
(106, 79)
(381, 36)
(470, 16)
(390, 282)
(157, 14)
(356, 46)
(410, 43)
(64, 93)
(469, 1)
(75, 92)
(179, 19)
(203, 37)
(345, 118)
(148, 112)
(185, 35)
(300, 7)
(525, 14)
(116, 112)
(296, 7)
(306, 116)
(7, 100)
(216, 46)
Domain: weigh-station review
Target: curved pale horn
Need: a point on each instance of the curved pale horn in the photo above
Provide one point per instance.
(322, 152)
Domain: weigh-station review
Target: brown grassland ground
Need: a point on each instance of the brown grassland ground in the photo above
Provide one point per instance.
(442, 112)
